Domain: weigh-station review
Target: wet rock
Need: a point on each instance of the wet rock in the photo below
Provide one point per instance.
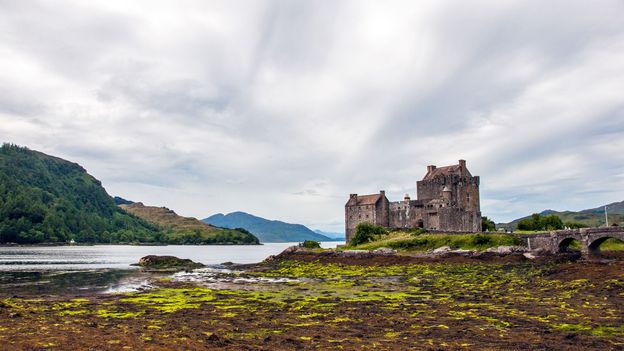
(443, 249)
(293, 249)
(385, 251)
(529, 255)
(270, 258)
(352, 253)
(167, 262)
(507, 250)
(462, 252)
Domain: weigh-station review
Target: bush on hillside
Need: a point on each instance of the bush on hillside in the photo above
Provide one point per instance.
(456, 241)
(310, 244)
(417, 231)
(364, 232)
(538, 222)
(487, 225)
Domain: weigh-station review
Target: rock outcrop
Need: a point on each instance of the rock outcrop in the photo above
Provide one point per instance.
(167, 263)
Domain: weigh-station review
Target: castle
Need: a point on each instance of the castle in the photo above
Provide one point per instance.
(447, 200)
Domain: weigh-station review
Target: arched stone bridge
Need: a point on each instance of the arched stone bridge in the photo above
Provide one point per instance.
(558, 240)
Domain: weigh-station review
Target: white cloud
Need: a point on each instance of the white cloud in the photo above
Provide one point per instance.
(282, 109)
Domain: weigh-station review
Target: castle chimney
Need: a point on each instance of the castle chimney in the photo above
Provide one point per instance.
(430, 168)
(353, 196)
(406, 198)
(462, 164)
(382, 192)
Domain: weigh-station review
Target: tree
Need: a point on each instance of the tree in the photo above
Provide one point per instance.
(537, 222)
(551, 222)
(487, 225)
(364, 233)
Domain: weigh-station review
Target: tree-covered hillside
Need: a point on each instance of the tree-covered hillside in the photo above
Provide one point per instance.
(188, 230)
(48, 199)
(586, 218)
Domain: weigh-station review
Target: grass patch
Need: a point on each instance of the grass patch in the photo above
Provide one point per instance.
(612, 244)
(422, 242)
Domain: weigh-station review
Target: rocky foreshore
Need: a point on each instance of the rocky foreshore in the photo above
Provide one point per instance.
(445, 253)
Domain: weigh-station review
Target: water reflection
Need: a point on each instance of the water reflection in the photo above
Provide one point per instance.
(107, 268)
(18, 283)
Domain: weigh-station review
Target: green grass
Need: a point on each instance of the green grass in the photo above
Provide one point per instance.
(408, 242)
(612, 244)
(529, 231)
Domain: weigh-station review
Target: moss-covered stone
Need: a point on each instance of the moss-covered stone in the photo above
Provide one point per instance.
(167, 262)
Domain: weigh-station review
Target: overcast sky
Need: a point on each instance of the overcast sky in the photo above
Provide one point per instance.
(283, 108)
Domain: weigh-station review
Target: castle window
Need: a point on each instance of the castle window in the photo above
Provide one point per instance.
(360, 216)
(366, 216)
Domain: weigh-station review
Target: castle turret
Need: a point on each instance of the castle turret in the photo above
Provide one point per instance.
(447, 194)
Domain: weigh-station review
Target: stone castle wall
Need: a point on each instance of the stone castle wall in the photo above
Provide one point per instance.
(447, 200)
(355, 215)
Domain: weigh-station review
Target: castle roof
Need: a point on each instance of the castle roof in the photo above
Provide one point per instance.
(444, 171)
(368, 199)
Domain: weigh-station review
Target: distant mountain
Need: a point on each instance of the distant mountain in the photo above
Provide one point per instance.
(593, 217)
(188, 230)
(48, 199)
(266, 230)
(332, 235)
(614, 208)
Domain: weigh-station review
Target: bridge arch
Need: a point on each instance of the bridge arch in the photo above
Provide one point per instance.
(567, 243)
(594, 245)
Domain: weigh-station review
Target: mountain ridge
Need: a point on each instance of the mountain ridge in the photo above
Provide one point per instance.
(265, 229)
(188, 230)
(592, 217)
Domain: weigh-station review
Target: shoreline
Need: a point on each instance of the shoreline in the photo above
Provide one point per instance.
(307, 301)
(118, 244)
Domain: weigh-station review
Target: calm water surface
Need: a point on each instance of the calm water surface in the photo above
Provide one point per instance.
(122, 256)
(107, 268)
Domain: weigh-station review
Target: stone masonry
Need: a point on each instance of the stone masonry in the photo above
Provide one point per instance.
(447, 200)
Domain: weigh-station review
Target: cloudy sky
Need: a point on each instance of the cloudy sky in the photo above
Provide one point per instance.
(283, 108)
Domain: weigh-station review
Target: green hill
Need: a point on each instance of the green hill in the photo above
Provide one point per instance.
(48, 199)
(613, 208)
(590, 218)
(266, 230)
(188, 230)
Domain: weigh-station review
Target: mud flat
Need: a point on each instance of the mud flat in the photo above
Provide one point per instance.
(315, 300)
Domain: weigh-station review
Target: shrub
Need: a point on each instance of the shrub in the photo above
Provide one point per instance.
(364, 232)
(463, 241)
(480, 239)
(417, 231)
(537, 222)
(310, 244)
(487, 225)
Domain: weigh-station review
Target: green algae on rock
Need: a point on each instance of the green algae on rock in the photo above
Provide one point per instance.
(167, 262)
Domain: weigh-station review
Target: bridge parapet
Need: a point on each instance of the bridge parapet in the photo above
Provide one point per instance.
(557, 240)
(603, 230)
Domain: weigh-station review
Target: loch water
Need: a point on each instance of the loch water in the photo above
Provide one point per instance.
(35, 270)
